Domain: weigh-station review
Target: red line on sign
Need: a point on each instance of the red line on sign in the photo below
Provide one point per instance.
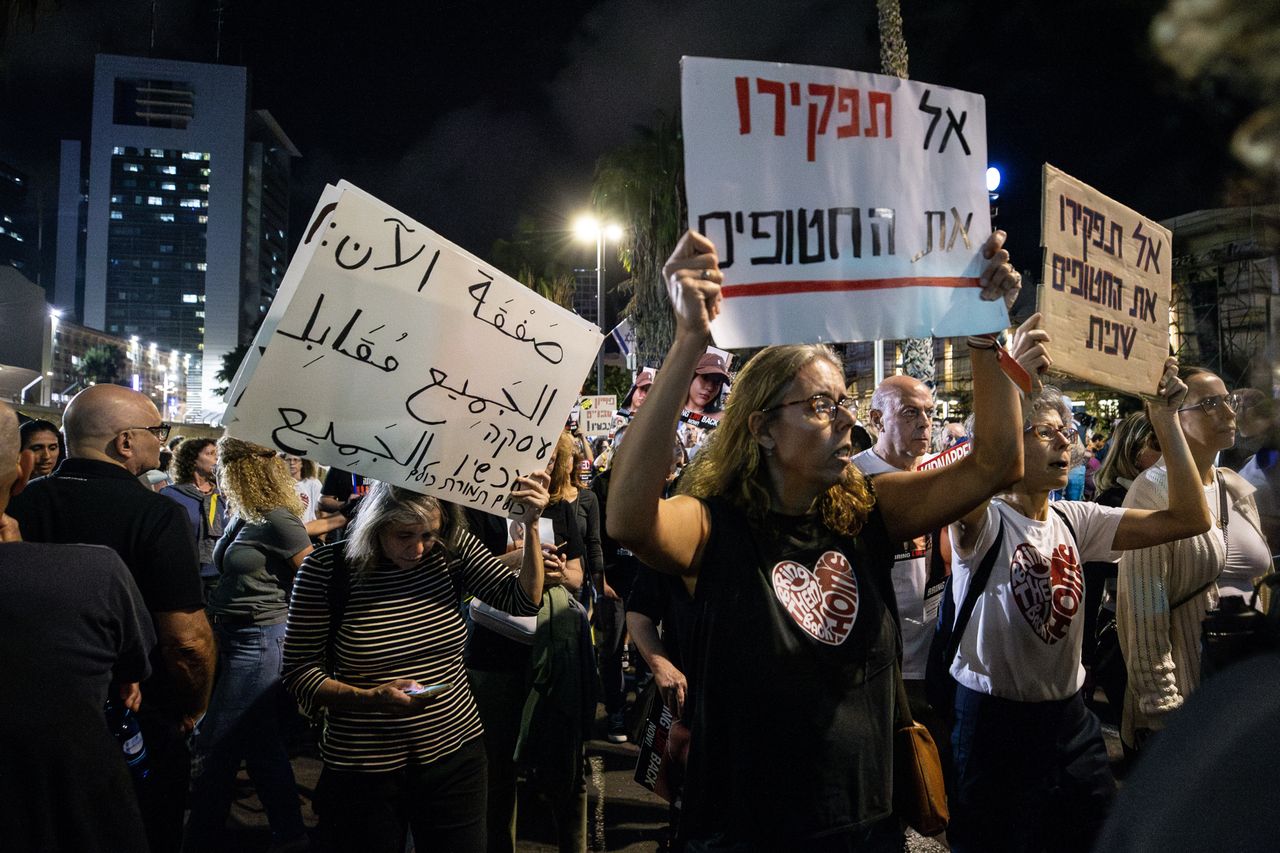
(777, 288)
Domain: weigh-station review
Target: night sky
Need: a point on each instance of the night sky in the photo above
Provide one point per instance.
(466, 115)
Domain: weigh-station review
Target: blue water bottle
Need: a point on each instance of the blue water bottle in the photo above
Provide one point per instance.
(124, 725)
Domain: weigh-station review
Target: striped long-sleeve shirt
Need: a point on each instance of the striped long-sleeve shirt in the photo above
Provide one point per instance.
(1161, 643)
(397, 624)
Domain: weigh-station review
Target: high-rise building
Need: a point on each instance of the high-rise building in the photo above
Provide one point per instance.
(185, 227)
(17, 225)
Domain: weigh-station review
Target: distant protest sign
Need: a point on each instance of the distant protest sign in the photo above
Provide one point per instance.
(397, 355)
(1105, 291)
(596, 418)
(952, 454)
(844, 206)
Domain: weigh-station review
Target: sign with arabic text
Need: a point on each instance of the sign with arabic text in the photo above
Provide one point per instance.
(1104, 297)
(844, 206)
(397, 355)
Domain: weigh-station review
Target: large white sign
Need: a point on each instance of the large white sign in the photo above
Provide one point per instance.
(844, 206)
(392, 353)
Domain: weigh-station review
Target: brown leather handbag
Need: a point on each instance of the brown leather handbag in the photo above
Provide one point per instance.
(919, 791)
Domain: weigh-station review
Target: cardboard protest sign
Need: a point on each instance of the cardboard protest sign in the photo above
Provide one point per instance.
(401, 357)
(1108, 271)
(844, 206)
(596, 418)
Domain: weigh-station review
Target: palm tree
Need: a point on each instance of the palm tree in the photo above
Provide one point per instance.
(230, 364)
(536, 262)
(917, 353)
(102, 364)
(642, 185)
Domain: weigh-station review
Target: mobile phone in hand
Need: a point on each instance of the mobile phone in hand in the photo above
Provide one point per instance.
(429, 691)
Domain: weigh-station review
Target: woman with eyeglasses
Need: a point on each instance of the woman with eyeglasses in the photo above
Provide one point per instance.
(1164, 592)
(257, 556)
(1030, 765)
(793, 701)
(375, 638)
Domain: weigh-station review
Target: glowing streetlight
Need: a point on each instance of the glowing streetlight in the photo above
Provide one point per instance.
(588, 229)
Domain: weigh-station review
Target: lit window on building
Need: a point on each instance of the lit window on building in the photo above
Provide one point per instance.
(190, 298)
(156, 152)
(115, 214)
(170, 186)
(117, 150)
(202, 266)
(165, 217)
(168, 170)
(202, 219)
(193, 202)
(132, 167)
(115, 199)
(155, 200)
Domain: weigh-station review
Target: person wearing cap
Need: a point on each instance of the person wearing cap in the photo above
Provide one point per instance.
(639, 390)
(632, 403)
(701, 408)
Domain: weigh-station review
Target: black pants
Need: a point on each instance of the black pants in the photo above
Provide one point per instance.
(611, 630)
(443, 802)
(162, 797)
(1029, 776)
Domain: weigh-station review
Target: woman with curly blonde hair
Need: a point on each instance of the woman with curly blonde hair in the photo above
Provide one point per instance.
(257, 557)
(792, 702)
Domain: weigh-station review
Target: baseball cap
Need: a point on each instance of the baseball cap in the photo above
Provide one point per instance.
(711, 364)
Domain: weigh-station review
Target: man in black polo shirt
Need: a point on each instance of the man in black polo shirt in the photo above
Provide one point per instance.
(113, 435)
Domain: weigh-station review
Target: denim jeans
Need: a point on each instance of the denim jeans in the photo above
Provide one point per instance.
(1029, 776)
(245, 721)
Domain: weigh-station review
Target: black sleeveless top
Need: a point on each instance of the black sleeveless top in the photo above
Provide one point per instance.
(793, 683)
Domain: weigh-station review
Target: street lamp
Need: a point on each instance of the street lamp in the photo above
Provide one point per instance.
(587, 229)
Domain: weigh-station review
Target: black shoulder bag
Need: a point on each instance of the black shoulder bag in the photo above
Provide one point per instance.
(940, 687)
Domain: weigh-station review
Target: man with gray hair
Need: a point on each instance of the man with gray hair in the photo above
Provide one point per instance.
(902, 414)
(113, 435)
(76, 632)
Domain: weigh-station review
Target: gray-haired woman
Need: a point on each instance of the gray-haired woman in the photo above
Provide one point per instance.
(375, 636)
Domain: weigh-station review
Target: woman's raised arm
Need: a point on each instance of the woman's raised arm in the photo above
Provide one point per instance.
(668, 535)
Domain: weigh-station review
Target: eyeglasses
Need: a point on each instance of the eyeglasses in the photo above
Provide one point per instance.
(161, 432)
(822, 405)
(1045, 432)
(1210, 404)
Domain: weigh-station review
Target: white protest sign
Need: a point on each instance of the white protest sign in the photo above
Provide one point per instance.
(597, 414)
(399, 356)
(952, 454)
(844, 206)
(1108, 271)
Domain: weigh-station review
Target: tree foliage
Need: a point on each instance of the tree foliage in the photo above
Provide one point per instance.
(102, 364)
(641, 184)
(230, 364)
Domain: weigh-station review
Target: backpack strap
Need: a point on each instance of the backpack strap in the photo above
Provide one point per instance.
(977, 584)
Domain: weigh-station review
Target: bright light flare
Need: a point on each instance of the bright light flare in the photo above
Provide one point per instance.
(993, 179)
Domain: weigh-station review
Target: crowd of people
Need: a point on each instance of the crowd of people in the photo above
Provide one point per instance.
(748, 551)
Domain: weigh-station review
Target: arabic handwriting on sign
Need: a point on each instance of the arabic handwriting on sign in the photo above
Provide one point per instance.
(549, 350)
(295, 441)
(363, 351)
(479, 404)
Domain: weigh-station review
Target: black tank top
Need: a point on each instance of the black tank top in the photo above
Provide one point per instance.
(793, 683)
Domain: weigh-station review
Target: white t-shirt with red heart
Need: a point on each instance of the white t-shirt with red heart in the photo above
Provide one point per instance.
(1024, 637)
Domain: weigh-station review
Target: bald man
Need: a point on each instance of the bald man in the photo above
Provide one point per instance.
(113, 435)
(902, 414)
(74, 625)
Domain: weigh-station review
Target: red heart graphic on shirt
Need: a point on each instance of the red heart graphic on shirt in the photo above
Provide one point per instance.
(1048, 592)
(824, 600)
